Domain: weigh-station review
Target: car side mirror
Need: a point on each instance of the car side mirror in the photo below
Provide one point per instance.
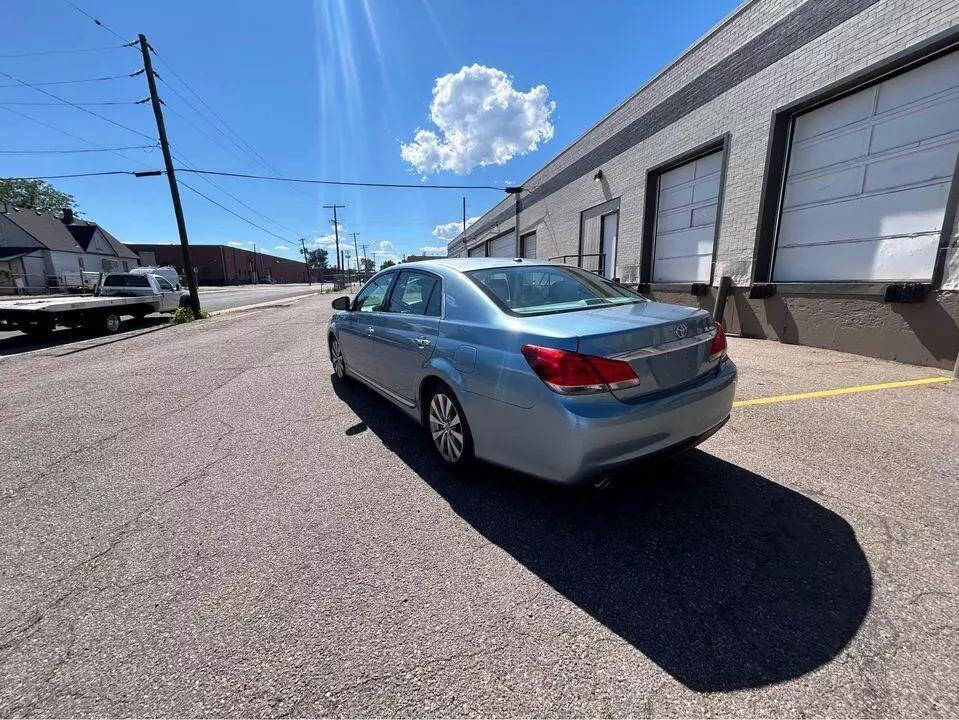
(341, 303)
(178, 286)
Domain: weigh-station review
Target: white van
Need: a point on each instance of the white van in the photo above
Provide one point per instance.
(167, 272)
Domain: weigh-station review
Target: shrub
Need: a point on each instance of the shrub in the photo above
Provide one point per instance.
(185, 315)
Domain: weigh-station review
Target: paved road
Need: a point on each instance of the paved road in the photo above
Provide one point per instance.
(210, 526)
(211, 300)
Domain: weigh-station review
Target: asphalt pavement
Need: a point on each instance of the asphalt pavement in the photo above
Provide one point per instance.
(200, 521)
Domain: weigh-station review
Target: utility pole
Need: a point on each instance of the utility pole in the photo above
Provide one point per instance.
(174, 190)
(516, 191)
(336, 234)
(306, 261)
(365, 271)
(356, 250)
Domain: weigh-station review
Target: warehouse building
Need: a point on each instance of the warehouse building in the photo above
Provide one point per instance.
(806, 149)
(224, 264)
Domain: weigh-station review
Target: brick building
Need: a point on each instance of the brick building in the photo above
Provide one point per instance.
(807, 149)
(224, 264)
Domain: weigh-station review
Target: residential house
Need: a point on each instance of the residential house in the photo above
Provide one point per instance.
(40, 251)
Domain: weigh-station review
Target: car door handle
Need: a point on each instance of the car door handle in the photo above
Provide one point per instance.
(370, 330)
(423, 342)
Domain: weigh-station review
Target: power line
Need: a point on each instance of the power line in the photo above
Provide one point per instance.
(179, 77)
(71, 82)
(70, 152)
(95, 20)
(81, 109)
(63, 52)
(74, 175)
(67, 133)
(76, 104)
(236, 199)
(237, 215)
(420, 186)
(204, 133)
(344, 182)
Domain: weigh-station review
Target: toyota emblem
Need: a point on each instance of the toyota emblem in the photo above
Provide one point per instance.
(681, 330)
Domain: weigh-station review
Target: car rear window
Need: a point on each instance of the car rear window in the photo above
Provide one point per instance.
(543, 289)
(126, 281)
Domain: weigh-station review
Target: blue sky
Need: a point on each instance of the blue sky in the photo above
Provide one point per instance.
(332, 89)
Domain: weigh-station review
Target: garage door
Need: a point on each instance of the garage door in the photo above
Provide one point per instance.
(686, 220)
(868, 179)
(503, 246)
(478, 251)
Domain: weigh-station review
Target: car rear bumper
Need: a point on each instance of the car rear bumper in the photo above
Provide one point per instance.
(576, 439)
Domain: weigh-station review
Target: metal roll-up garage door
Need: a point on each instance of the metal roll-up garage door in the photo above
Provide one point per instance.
(868, 178)
(478, 250)
(686, 220)
(503, 245)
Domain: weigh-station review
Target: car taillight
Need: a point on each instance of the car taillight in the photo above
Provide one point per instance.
(570, 373)
(717, 350)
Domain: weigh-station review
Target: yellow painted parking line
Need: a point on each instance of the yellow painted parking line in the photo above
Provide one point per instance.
(840, 391)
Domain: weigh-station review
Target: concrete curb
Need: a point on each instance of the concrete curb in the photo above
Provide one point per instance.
(263, 305)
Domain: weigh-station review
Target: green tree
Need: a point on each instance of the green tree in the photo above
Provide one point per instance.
(317, 259)
(36, 195)
(368, 264)
(386, 264)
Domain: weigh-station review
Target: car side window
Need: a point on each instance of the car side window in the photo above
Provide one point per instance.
(164, 284)
(371, 297)
(412, 293)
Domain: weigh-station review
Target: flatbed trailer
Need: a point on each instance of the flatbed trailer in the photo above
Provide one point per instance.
(99, 314)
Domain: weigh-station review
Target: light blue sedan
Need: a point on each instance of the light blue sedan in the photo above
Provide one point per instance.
(541, 367)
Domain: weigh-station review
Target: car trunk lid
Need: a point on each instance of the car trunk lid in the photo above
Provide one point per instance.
(666, 345)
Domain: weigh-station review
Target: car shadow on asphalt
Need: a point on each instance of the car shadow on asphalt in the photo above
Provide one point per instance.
(723, 578)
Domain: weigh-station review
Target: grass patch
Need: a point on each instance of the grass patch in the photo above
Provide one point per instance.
(185, 315)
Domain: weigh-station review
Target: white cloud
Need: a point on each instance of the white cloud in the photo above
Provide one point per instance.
(385, 246)
(433, 250)
(448, 231)
(481, 120)
(281, 247)
(235, 244)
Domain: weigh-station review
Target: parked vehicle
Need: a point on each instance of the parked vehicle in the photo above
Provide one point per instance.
(537, 366)
(117, 295)
(167, 272)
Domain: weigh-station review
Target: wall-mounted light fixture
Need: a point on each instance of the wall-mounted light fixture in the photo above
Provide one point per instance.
(598, 176)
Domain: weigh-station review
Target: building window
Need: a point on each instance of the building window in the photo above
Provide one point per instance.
(527, 245)
(683, 200)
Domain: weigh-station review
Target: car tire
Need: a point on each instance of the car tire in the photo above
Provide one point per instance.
(337, 360)
(447, 428)
(109, 323)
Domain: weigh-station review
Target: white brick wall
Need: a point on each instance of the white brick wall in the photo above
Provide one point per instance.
(744, 111)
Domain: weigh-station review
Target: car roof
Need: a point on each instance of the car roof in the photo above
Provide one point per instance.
(475, 263)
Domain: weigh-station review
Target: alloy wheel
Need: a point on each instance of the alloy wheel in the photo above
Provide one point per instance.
(446, 427)
(336, 356)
